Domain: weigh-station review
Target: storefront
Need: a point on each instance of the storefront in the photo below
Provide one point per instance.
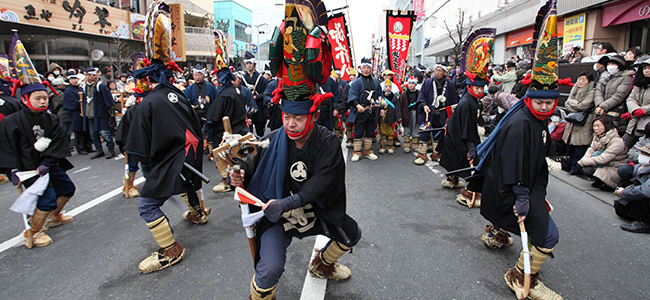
(519, 42)
(77, 34)
(634, 13)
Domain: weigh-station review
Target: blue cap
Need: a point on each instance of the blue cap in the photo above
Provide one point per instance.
(30, 88)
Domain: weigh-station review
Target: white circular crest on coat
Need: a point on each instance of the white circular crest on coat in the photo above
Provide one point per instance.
(298, 171)
(173, 98)
(544, 136)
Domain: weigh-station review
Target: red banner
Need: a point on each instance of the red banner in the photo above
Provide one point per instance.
(398, 30)
(340, 45)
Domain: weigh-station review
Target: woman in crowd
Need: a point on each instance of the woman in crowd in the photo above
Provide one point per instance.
(638, 104)
(578, 137)
(606, 153)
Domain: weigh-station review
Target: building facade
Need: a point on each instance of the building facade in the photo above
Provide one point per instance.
(235, 18)
(582, 23)
(74, 33)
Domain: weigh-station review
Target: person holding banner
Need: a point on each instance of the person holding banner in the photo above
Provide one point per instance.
(35, 140)
(364, 94)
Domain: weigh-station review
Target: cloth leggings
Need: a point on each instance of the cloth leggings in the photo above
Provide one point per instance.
(60, 185)
(273, 245)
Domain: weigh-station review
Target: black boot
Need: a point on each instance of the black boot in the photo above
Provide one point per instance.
(110, 154)
(99, 154)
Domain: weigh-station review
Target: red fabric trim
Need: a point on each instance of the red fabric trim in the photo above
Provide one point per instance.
(277, 93)
(29, 104)
(539, 115)
(469, 89)
(310, 125)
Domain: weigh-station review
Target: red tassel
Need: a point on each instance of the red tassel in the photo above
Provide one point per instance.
(277, 93)
(318, 98)
(215, 71)
(173, 66)
(565, 81)
(526, 81)
(146, 62)
(47, 83)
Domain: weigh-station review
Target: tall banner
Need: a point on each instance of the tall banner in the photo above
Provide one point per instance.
(398, 32)
(376, 53)
(340, 45)
(419, 9)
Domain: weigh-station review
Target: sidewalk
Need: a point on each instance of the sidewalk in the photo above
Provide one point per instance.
(582, 183)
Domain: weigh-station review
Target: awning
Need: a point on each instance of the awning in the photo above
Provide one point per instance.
(625, 11)
(525, 36)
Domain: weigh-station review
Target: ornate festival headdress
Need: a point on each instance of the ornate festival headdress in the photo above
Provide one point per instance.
(157, 45)
(300, 56)
(142, 85)
(221, 50)
(476, 56)
(24, 75)
(544, 81)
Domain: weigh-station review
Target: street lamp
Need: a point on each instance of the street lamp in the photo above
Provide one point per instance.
(248, 30)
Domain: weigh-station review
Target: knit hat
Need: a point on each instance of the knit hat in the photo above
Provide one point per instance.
(476, 56)
(366, 62)
(249, 57)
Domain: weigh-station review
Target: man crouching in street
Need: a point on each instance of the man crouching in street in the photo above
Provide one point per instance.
(301, 175)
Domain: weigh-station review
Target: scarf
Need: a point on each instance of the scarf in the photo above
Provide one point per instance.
(268, 181)
(539, 115)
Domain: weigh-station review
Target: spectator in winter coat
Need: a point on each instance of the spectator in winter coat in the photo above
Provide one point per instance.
(578, 137)
(508, 78)
(634, 201)
(638, 104)
(606, 153)
(612, 91)
(626, 172)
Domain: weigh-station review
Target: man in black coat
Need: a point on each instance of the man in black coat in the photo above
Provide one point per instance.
(257, 84)
(101, 109)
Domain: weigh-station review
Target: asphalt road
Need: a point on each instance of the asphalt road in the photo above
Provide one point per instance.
(417, 243)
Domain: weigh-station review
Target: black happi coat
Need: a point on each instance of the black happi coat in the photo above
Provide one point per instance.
(518, 156)
(257, 87)
(230, 103)
(166, 132)
(72, 106)
(461, 128)
(17, 138)
(325, 182)
(274, 111)
(8, 105)
(122, 131)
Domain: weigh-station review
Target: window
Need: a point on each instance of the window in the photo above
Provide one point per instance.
(240, 32)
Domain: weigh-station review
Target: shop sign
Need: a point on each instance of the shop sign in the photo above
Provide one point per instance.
(178, 32)
(72, 15)
(574, 33)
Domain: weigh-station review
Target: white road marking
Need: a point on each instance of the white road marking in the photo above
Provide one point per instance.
(432, 166)
(81, 170)
(17, 240)
(314, 288)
